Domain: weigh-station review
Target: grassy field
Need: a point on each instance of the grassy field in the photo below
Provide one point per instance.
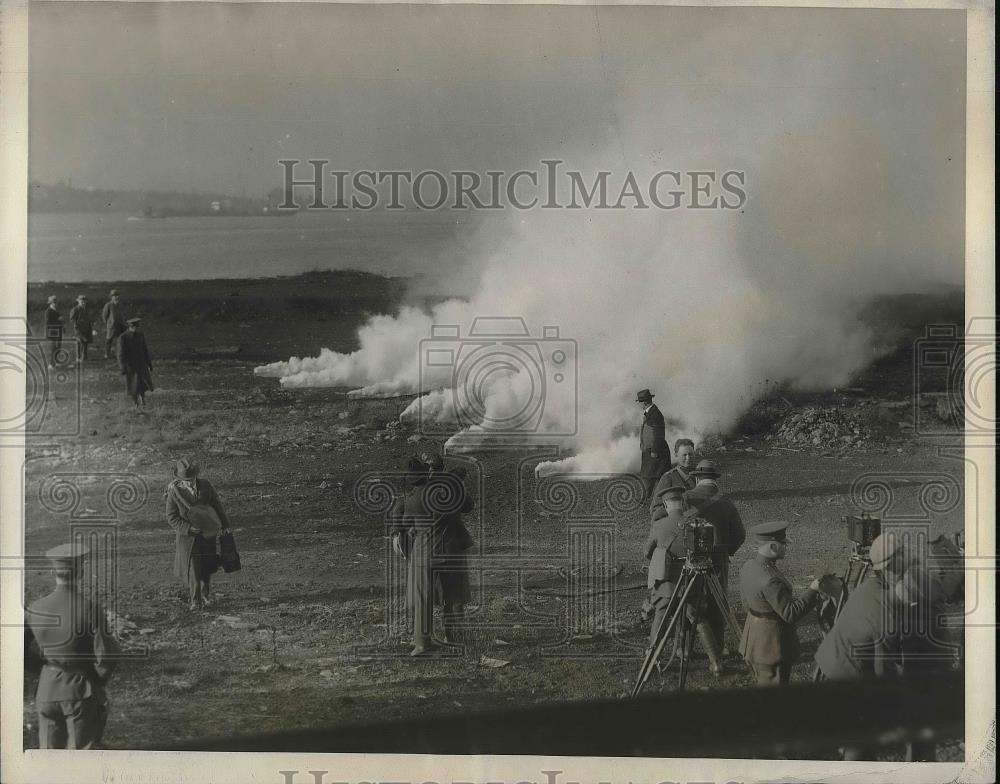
(308, 633)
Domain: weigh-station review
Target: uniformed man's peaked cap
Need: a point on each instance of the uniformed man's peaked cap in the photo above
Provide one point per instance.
(770, 532)
(65, 555)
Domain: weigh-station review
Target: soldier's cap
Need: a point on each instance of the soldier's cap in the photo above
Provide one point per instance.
(644, 396)
(114, 293)
(80, 297)
(706, 468)
(52, 298)
(185, 468)
(66, 555)
(773, 531)
(883, 548)
(133, 320)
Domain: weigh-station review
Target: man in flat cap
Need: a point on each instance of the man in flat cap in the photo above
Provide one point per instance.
(135, 362)
(77, 654)
(665, 551)
(770, 644)
(82, 327)
(113, 318)
(53, 328)
(653, 446)
(730, 534)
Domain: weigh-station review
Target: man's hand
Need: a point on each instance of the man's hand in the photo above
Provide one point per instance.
(226, 531)
(653, 454)
(814, 585)
(193, 531)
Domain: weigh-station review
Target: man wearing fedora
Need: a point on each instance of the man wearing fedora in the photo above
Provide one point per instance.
(769, 643)
(197, 516)
(113, 318)
(135, 362)
(717, 509)
(53, 328)
(652, 442)
(82, 326)
(77, 653)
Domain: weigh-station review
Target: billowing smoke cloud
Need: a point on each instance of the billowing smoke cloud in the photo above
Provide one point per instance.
(708, 308)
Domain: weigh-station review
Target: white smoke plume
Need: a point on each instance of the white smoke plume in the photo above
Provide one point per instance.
(708, 308)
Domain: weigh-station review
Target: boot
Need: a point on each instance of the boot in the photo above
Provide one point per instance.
(707, 639)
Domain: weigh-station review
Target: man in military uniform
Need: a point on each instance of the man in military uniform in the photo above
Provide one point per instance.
(717, 509)
(77, 657)
(652, 442)
(680, 474)
(769, 643)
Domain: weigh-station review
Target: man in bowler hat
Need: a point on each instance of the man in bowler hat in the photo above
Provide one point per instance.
(770, 644)
(77, 654)
(652, 442)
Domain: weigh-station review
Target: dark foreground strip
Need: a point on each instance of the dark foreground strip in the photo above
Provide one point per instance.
(738, 723)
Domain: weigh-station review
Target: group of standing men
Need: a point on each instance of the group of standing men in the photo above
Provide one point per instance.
(888, 626)
(122, 335)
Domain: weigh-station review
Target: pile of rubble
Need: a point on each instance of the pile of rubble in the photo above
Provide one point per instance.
(824, 427)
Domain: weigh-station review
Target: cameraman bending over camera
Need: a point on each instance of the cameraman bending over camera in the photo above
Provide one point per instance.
(770, 644)
(730, 534)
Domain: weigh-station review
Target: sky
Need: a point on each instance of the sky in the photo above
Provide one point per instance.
(210, 96)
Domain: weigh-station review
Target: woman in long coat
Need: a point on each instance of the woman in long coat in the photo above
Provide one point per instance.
(135, 362)
(195, 559)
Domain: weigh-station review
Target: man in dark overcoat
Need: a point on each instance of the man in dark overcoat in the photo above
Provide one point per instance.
(448, 500)
(135, 363)
(113, 318)
(77, 653)
(53, 328)
(194, 549)
(730, 533)
(769, 643)
(655, 454)
(82, 327)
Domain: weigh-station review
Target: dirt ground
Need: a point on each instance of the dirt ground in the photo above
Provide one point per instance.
(311, 633)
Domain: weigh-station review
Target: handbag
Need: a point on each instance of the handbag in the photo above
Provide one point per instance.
(228, 555)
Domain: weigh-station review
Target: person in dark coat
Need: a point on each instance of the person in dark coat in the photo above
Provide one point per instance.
(730, 533)
(416, 524)
(77, 654)
(770, 644)
(679, 474)
(113, 318)
(53, 329)
(655, 453)
(195, 558)
(446, 497)
(82, 327)
(864, 641)
(135, 362)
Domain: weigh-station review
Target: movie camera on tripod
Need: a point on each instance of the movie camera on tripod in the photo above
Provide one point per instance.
(697, 583)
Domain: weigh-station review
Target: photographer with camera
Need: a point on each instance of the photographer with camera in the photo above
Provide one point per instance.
(770, 644)
(721, 514)
(665, 552)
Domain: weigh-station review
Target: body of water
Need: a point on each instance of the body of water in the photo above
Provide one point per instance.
(116, 247)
